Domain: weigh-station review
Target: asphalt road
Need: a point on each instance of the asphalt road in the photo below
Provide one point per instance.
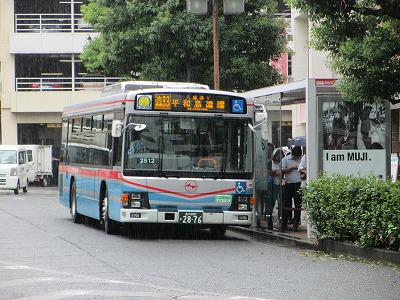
(44, 255)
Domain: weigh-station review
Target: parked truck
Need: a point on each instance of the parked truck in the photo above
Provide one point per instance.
(40, 163)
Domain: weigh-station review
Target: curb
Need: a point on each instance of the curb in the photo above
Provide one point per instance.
(370, 254)
(282, 238)
(325, 245)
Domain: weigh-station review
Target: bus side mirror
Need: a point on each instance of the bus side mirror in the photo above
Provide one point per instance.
(116, 128)
(261, 117)
(264, 131)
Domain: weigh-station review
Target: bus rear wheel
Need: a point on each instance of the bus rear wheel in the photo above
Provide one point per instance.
(76, 217)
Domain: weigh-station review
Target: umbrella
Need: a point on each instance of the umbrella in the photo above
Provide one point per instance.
(297, 141)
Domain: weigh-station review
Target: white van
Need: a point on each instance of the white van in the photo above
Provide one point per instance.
(13, 168)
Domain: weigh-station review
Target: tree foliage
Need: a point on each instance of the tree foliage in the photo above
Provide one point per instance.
(158, 40)
(363, 41)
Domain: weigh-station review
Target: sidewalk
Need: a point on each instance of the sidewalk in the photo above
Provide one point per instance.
(289, 237)
(300, 239)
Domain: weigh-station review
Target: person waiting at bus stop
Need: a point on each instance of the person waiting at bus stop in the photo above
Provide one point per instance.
(275, 182)
(290, 169)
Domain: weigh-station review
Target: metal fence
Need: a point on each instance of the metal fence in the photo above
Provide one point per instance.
(64, 83)
(40, 23)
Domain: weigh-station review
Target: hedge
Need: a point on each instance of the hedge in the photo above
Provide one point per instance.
(361, 210)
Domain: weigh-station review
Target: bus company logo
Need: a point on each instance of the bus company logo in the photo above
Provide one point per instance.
(190, 186)
(144, 102)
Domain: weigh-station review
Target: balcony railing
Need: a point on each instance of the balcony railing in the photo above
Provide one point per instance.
(64, 83)
(40, 23)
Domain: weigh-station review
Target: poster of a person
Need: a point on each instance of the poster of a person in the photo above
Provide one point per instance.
(371, 129)
(348, 125)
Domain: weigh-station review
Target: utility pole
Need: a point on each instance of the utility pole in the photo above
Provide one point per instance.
(231, 7)
(216, 44)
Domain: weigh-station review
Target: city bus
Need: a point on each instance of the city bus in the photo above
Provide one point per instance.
(194, 165)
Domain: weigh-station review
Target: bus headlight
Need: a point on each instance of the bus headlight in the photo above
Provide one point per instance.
(242, 206)
(135, 204)
(135, 200)
(240, 203)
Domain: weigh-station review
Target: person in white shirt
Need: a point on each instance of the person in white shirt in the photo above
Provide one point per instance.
(274, 186)
(290, 168)
(303, 168)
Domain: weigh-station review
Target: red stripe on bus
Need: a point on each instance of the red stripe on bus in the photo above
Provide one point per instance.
(117, 175)
(176, 193)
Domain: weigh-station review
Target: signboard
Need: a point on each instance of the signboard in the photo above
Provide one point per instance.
(355, 162)
(191, 102)
(354, 137)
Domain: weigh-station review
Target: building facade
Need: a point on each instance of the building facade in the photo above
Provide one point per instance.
(41, 71)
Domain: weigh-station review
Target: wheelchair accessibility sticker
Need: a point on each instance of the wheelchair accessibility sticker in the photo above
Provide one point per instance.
(237, 106)
(241, 187)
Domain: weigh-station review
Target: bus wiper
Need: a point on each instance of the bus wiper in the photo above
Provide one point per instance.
(160, 149)
(223, 162)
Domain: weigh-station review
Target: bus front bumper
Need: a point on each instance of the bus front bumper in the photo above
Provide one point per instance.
(239, 218)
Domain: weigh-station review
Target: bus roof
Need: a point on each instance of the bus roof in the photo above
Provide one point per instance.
(117, 102)
(126, 86)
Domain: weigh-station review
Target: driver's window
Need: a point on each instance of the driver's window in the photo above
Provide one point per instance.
(22, 157)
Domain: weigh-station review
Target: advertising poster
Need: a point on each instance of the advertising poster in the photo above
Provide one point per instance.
(354, 138)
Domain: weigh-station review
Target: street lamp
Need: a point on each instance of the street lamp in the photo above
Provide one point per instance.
(199, 7)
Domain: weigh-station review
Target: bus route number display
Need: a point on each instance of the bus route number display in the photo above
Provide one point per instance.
(184, 102)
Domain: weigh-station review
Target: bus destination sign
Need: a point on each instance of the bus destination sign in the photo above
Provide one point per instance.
(191, 102)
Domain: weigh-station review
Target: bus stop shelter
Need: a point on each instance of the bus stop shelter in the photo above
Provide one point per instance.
(341, 136)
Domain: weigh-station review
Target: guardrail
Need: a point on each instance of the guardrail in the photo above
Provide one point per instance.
(63, 83)
(40, 23)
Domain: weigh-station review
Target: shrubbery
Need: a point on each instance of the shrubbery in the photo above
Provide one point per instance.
(362, 210)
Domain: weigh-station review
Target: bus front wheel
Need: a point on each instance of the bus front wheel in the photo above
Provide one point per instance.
(110, 226)
(218, 231)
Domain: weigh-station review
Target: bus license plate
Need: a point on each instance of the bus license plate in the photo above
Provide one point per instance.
(188, 217)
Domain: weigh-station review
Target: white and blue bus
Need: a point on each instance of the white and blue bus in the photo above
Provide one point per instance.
(193, 165)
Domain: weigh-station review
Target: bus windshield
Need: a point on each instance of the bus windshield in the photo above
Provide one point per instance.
(213, 147)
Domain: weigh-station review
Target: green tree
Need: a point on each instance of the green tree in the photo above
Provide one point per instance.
(158, 40)
(362, 38)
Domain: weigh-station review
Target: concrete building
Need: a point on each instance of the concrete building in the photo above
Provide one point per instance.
(40, 45)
